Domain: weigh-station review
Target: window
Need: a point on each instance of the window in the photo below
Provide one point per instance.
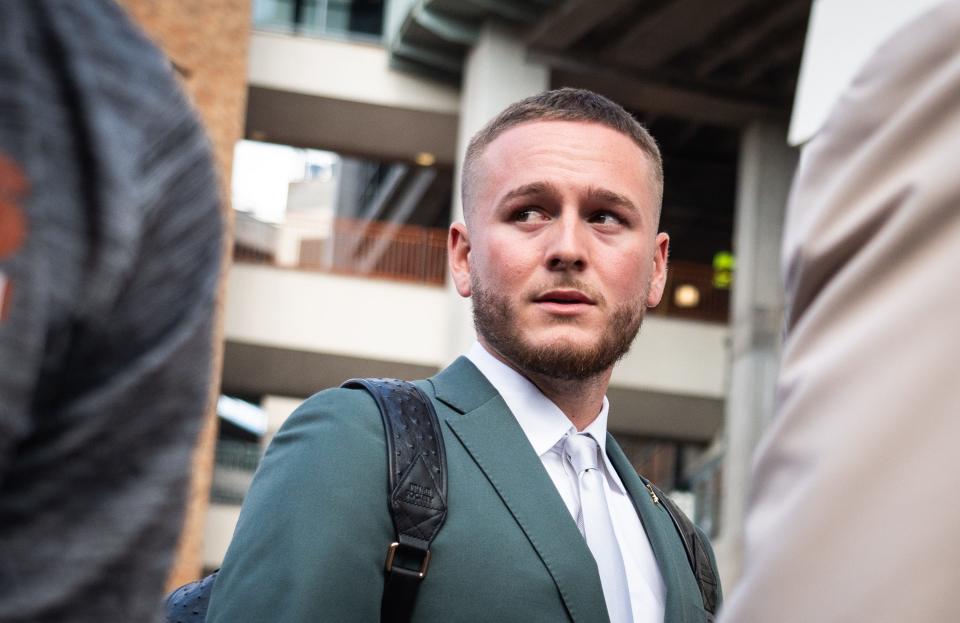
(361, 19)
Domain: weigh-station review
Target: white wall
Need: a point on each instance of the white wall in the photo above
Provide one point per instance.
(221, 521)
(342, 70)
(676, 357)
(350, 316)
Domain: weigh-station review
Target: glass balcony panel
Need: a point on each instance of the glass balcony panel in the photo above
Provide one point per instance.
(339, 18)
(273, 14)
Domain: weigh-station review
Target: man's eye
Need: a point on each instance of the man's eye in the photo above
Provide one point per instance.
(528, 215)
(606, 218)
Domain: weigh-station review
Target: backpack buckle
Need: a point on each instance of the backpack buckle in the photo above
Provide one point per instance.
(392, 554)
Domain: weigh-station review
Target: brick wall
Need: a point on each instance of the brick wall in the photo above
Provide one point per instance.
(207, 40)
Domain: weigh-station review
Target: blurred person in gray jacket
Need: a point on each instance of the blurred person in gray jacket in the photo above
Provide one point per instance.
(110, 243)
(855, 505)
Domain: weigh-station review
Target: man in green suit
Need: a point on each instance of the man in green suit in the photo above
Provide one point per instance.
(561, 255)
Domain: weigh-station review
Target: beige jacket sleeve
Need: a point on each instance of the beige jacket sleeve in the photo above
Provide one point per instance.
(855, 508)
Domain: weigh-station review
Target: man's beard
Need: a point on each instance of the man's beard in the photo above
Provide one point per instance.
(497, 321)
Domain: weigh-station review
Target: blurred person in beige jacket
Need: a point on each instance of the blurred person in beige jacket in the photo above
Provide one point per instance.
(855, 507)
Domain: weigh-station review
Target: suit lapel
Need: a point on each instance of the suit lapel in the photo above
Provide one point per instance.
(682, 599)
(495, 441)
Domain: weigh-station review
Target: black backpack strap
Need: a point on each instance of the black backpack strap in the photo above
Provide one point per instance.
(694, 542)
(417, 488)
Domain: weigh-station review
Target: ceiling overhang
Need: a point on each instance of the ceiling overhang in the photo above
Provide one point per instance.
(350, 128)
(727, 62)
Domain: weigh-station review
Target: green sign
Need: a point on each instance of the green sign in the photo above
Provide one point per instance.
(723, 266)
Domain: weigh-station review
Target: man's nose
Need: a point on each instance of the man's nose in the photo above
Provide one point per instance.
(567, 250)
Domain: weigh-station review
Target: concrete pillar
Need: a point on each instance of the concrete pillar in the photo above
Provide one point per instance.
(766, 169)
(495, 74)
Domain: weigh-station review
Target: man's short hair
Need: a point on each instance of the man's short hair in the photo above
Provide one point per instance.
(562, 105)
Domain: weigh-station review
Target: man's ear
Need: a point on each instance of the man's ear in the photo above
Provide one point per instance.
(458, 258)
(658, 279)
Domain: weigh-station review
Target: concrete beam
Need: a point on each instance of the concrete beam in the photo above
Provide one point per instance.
(653, 96)
(677, 25)
(572, 20)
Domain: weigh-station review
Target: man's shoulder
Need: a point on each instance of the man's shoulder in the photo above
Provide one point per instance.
(329, 453)
(333, 427)
(338, 410)
(350, 416)
(336, 398)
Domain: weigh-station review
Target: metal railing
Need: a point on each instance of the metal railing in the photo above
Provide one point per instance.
(706, 483)
(405, 252)
(370, 248)
(250, 255)
(234, 466)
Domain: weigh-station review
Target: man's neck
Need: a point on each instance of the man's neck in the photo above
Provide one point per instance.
(579, 399)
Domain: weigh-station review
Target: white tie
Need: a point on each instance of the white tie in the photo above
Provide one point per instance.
(583, 453)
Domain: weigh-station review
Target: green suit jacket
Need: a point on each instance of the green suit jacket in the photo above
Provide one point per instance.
(314, 530)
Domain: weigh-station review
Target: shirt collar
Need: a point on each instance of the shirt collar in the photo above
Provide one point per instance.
(542, 421)
(598, 428)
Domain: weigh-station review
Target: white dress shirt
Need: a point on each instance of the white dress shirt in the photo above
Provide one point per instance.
(546, 426)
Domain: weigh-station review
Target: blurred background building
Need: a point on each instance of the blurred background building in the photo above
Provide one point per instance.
(342, 172)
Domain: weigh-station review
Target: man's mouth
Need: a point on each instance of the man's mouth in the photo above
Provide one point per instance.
(564, 297)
